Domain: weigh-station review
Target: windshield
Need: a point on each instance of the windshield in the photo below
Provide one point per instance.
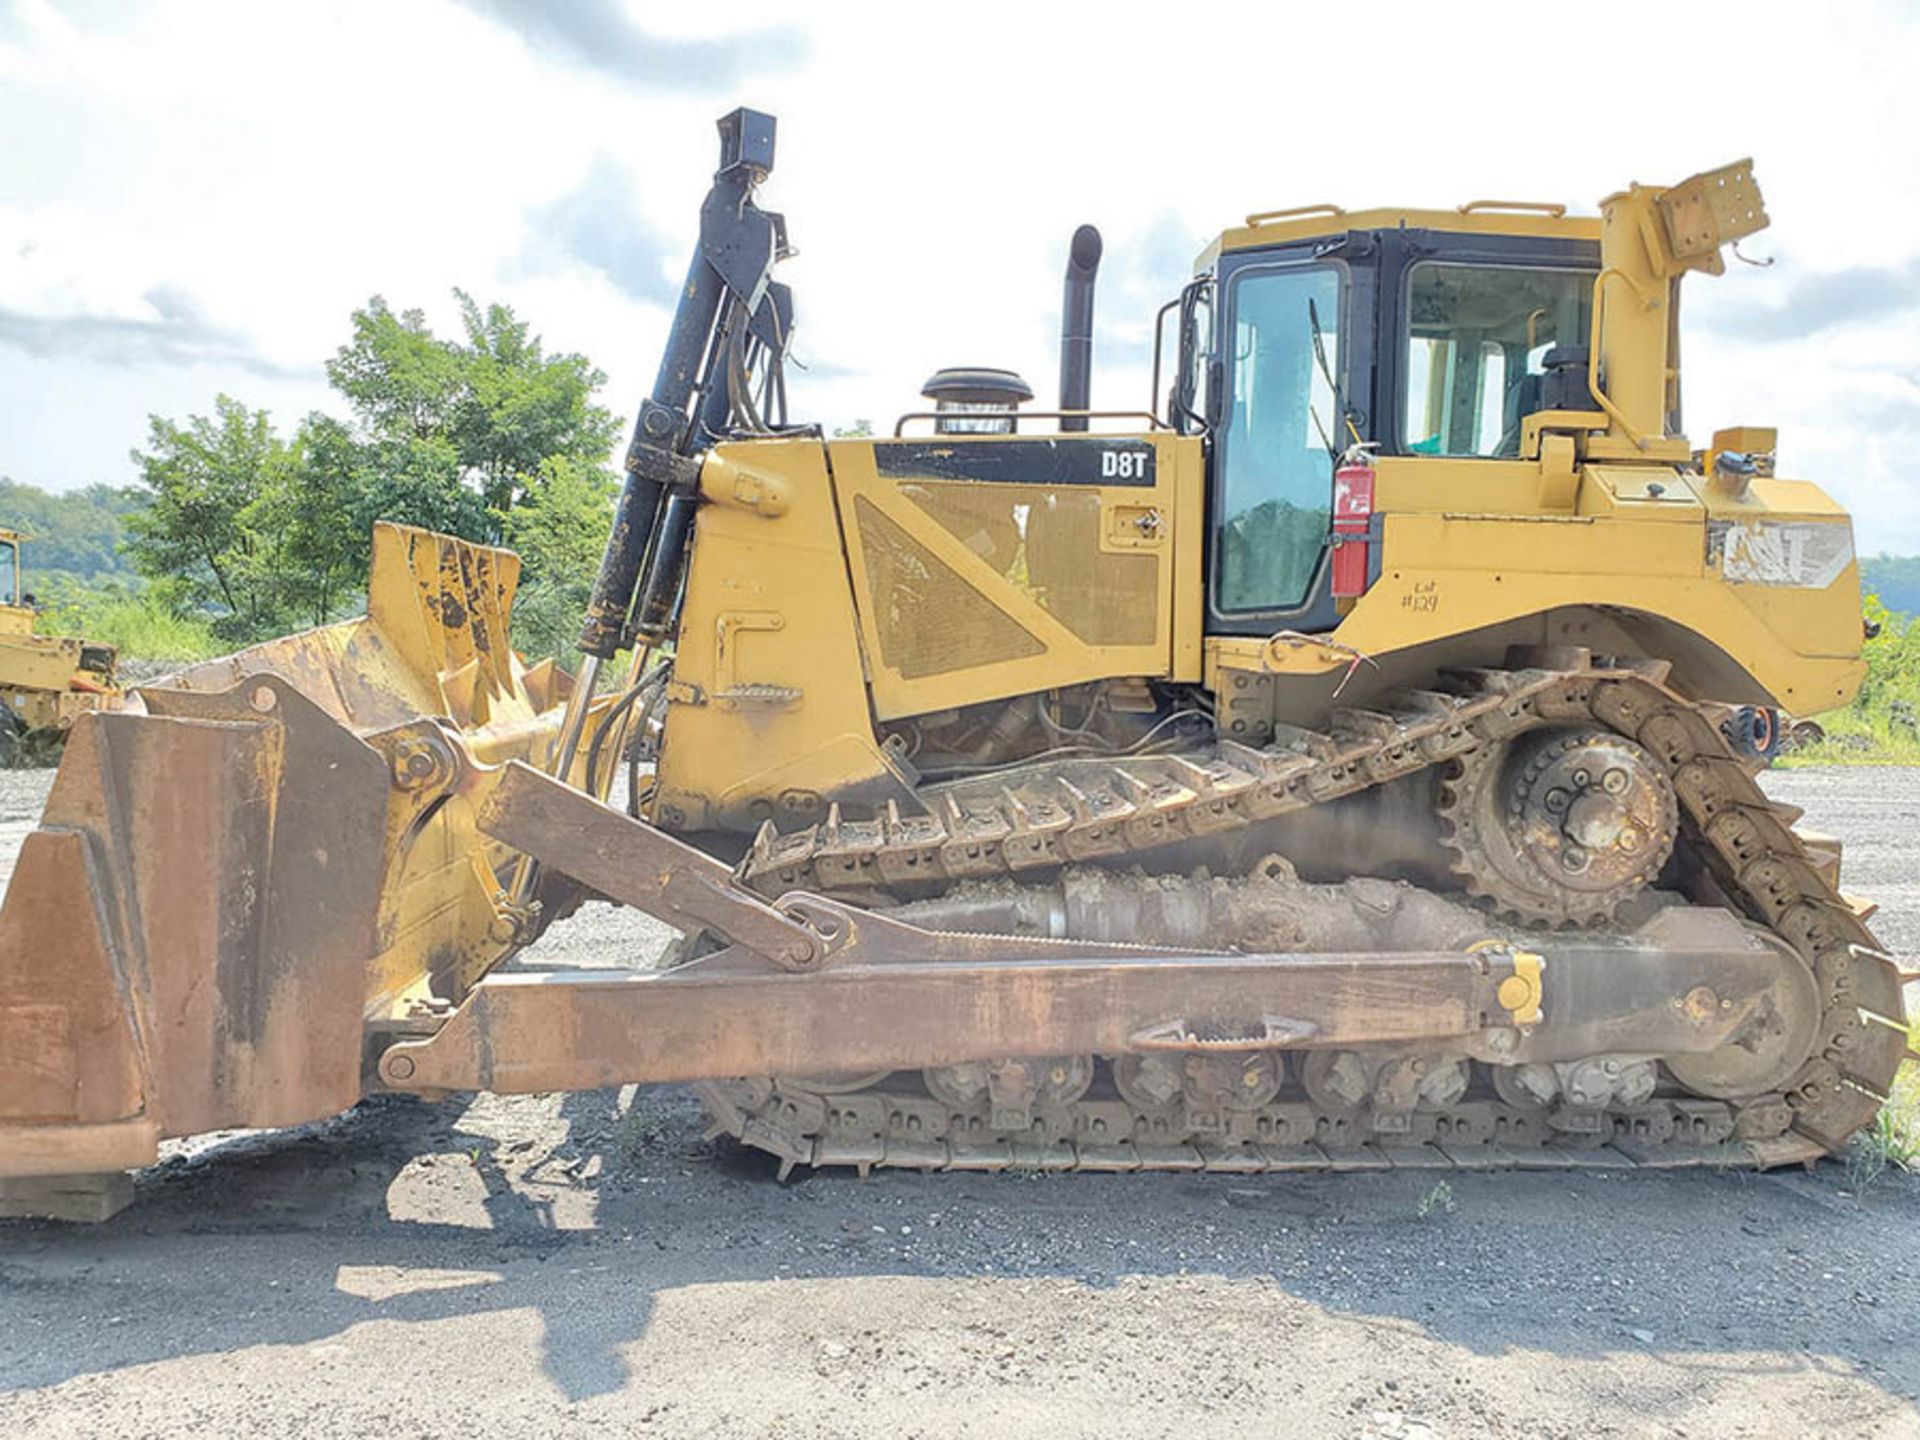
(1277, 437)
(1477, 337)
(9, 573)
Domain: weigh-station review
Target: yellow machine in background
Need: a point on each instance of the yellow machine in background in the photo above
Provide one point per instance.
(1347, 762)
(45, 681)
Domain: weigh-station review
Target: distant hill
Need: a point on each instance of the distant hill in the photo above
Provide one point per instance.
(77, 533)
(1895, 579)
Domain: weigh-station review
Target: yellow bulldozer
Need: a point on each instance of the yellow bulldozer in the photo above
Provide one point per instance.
(1345, 762)
(46, 681)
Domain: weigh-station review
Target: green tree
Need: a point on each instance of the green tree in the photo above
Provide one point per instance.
(1892, 654)
(212, 485)
(401, 380)
(522, 407)
(326, 515)
(559, 530)
(419, 482)
(486, 437)
(453, 420)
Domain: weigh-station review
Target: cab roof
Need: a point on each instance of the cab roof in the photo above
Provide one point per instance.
(1478, 217)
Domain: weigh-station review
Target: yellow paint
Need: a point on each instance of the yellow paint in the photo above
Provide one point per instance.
(788, 657)
(771, 709)
(1315, 221)
(826, 600)
(41, 680)
(1520, 992)
(1189, 564)
(430, 655)
(987, 565)
(1443, 575)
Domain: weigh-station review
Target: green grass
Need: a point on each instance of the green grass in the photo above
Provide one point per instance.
(129, 616)
(1893, 1140)
(140, 629)
(1866, 732)
(1824, 756)
(1897, 1130)
(1859, 736)
(126, 614)
(1437, 1201)
(1855, 737)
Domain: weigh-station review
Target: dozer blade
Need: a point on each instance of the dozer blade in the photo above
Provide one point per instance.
(257, 861)
(182, 940)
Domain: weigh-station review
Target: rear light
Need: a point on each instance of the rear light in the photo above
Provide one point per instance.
(1352, 519)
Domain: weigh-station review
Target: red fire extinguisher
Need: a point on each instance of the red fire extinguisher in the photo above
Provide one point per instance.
(1352, 517)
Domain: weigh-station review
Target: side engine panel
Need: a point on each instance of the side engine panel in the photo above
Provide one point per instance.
(834, 589)
(993, 566)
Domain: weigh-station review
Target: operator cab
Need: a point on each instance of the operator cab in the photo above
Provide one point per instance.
(1413, 333)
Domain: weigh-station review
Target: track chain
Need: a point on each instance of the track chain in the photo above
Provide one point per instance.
(1050, 816)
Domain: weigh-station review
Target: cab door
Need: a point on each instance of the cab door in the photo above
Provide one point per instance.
(1282, 422)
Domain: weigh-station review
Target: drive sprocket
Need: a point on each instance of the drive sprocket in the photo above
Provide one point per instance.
(1559, 825)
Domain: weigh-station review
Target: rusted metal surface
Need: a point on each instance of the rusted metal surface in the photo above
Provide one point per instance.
(731, 1014)
(639, 865)
(1628, 1005)
(182, 946)
(1564, 824)
(231, 881)
(286, 913)
(69, 1064)
(713, 1020)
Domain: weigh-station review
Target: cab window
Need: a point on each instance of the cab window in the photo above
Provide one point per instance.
(1477, 338)
(1276, 436)
(9, 573)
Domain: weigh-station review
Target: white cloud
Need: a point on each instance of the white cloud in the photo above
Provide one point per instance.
(280, 164)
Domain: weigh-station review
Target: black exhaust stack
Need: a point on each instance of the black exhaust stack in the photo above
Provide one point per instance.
(1076, 326)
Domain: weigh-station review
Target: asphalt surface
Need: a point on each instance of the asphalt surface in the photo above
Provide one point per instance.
(591, 1264)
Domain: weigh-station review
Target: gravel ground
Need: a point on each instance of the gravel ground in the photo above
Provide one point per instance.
(590, 1264)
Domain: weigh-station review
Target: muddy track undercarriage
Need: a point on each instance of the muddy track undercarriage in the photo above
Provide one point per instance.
(1253, 1108)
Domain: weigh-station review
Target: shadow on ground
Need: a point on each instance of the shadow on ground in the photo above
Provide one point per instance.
(586, 1209)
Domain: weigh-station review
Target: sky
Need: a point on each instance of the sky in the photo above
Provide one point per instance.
(196, 194)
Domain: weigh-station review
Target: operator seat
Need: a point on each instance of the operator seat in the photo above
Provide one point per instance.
(1523, 399)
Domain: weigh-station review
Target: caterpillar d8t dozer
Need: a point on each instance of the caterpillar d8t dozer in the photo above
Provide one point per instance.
(1347, 762)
